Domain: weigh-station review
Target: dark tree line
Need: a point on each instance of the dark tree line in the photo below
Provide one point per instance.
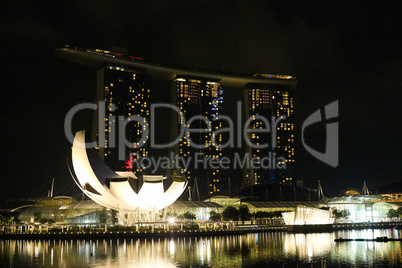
(243, 214)
(340, 213)
(395, 213)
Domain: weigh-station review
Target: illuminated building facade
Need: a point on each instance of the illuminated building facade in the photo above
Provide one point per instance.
(271, 102)
(364, 208)
(134, 198)
(308, 219)
(199, 97)
(126, 93)
(195, 92)
(308, 215)
(214, 101)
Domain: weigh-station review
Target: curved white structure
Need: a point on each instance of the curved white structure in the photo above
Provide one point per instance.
(114, 189)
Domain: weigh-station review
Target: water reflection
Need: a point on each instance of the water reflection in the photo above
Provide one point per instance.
(276, 249)
(307, 247)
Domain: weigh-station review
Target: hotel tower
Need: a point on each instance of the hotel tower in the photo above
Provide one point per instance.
(275, 103)
(126, 93)
(124, 82)
(195, 97)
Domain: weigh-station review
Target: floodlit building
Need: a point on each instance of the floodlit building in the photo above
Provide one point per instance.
(135, 198)
(391, 197)
(44, 207)
(363, 208)
(196, 97)
(59, 210)
(277, 206)
(126, 94)
(124, 81)
(225, 201)
(201, 210)
(305, 218)
(275, 104)
(86, 212)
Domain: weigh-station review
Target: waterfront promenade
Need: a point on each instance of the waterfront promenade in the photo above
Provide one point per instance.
(139, 234)
(127, 233)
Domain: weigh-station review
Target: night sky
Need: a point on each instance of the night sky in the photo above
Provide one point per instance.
(343, 51)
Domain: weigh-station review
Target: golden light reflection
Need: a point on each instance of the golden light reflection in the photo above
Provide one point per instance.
(271, 248)
(308, 246)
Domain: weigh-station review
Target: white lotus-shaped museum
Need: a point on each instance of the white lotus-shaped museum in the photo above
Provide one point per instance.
(121, 191)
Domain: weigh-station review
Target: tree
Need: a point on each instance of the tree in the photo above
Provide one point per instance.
(38, 216)
(275, 214)
(189, 216)
(393, 213)
(10, 219)
(345, 213)
(337, 213)
(43, 220)
(244, 213)
(399, 211)
(7, 220)
(340, 213)
(230, 213)
(171, 215)
(168, 215)
(215, 216)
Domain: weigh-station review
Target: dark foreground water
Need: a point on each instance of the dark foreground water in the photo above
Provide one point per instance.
(252, 250)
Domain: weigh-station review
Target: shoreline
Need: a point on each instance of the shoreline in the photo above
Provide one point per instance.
(137, 234)
(184, 233)
(367, 225)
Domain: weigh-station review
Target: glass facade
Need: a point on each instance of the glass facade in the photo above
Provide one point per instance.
(125, 83)
(304, 215)
(362, 208)
(196, 97)
(201, 210)
(126, 93)
(271, 102)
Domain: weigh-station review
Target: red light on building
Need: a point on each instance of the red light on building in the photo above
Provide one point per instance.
(135, 58)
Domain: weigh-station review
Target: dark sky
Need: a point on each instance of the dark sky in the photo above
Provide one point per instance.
(347, 51)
